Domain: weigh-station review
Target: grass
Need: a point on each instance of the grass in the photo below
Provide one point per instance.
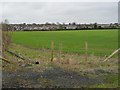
(94, 67)
(101, 43)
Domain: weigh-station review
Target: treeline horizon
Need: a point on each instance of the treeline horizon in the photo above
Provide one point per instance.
(60, 26)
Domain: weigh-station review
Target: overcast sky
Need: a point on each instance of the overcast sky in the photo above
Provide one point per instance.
(41, 12)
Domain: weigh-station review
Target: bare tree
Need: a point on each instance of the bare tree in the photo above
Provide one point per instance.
(95, 25)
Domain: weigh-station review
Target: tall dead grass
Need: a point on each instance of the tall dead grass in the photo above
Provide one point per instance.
(5, 35)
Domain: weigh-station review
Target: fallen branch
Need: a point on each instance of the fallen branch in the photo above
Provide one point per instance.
(4, 59)
(112, 54)
(21, 57)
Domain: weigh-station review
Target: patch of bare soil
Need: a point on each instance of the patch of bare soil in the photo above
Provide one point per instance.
(50, 77)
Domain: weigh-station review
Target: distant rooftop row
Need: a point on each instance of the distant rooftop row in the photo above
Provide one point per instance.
(53, 26)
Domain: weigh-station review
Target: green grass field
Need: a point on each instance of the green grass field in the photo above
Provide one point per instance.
(101, 43)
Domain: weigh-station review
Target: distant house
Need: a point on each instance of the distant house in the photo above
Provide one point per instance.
(71, 27)
(103, 25)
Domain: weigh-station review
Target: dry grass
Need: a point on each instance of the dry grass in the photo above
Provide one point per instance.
(71, 62)
(68, 61)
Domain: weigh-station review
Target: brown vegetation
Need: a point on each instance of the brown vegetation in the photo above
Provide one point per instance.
(6, 37)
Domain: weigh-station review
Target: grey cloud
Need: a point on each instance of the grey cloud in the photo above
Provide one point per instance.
(41, 12)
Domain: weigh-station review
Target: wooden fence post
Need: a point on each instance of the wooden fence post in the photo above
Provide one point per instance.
(52, 51)
(60, 48)
(86, 51)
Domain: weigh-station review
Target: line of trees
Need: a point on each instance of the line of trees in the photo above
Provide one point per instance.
(58, 26)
